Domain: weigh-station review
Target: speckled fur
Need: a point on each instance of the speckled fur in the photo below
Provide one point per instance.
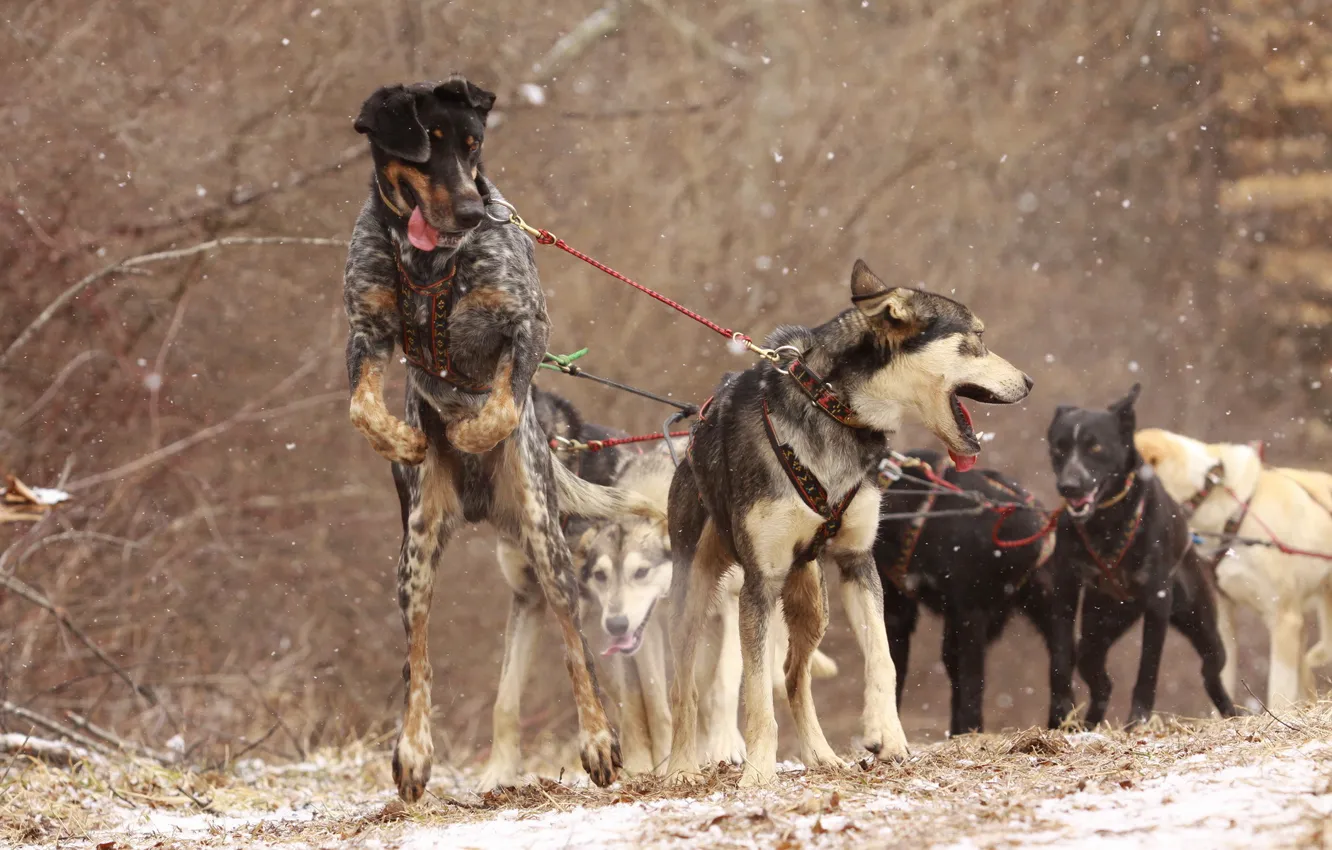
(485, 456)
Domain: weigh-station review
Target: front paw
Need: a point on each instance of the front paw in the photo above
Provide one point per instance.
(486, 430)
(391, 437)
(886, 740)
(411, 766)
(600, 753)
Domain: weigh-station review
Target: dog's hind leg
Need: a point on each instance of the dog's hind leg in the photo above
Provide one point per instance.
(1225, 626)
(1320, 654)
(693, 583)
(1104, 621)
(651, 664)
(504, 766)
(900, 614)
(805, 600)
(432, 512)
(635, 736)
(758, 597)
(964, 657)
(525, 498)
(719, 677)
(1197, 621)
(1287, 654)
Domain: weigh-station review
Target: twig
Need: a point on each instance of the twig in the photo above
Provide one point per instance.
(55, 752)
(1268, 710)
(54, 389)
(572, 44)
(145, 259)
(53, 726)
(95, 536)
(207, 807)
(300, 748)
(81, 722)
(691, 31)
(30, 594)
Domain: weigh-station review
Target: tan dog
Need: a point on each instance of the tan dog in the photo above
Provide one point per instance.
(1293, 506)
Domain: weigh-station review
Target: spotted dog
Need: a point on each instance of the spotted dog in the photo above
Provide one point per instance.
(459, 292)
(780, 475)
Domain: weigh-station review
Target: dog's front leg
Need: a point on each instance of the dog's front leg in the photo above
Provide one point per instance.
(719, 677)
(862, 597)
(1155, 624)
(433, 513)
(1286, 623)
(651, 664)
(758, 598)
(503, 408)
(1066, 585)
(964, 641)
(387, 434)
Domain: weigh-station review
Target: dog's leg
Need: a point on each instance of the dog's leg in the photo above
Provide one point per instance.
(525, 496)
(805, 601)
(1063, 615)
(1197, 621)
(1320, 654)
(1225, 626)
(692, 586)
(651, 663)
(965, 641)
(504, 767)
(1104, 620)
(900, 614)
(433, 512)
(1155, 624)
(758, 596)
(862, 597)
(1287, 654)
(719, 677)
(635, 737)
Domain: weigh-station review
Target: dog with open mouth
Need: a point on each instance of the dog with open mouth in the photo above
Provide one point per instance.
(429, 271)
(780, 479)
(1125, 546)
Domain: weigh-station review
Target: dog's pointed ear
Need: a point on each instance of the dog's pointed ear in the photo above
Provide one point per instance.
(1128, 417)
(390, 119)
(466, 92)
(873, 297)
(1063, 410)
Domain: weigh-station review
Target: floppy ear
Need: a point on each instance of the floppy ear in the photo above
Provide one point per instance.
(873, 297)
(389, 118)
(457, 88)
(1128, 417)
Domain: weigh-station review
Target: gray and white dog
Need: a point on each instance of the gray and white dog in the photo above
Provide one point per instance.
(779, 476)
(427, 269)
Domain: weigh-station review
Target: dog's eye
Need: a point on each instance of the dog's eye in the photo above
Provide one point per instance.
(1094, 448)
(473, 144)
(641, 573)
(600, 575)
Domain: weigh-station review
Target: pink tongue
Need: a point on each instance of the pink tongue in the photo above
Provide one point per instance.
(419, 232)
(963, 462)
(622, 644)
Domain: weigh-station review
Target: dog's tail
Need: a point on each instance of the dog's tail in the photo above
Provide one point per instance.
(821, 666)
(592, 501)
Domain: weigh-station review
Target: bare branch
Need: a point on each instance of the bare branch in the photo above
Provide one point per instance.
(52, 752)
(32, 595)
(691, 31)
(145, 259)
(577, 40)
(7, 707)
(81, 722)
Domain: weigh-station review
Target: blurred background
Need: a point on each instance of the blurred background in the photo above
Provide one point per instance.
(1124, 190)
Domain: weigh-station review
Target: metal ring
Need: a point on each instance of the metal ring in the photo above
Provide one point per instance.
(500, 202)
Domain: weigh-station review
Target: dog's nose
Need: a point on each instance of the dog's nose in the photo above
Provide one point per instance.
(1026, 379)
(468, 212)
(617, 626)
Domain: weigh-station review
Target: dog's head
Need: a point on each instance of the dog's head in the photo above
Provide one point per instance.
(626, 569)
(426, 141)
(1092, 449)
(1182, 463)
(925, 353)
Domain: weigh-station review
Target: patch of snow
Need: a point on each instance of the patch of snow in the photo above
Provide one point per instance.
(48, 496)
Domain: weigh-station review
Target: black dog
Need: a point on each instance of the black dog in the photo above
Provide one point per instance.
(1127, 541)
(952, 565)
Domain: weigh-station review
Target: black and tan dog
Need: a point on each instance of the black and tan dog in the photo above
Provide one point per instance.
(779, 475)
(952, 565)
(1124, 539)
(429, 270)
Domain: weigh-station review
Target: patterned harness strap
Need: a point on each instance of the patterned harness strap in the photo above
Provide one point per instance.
(442, 302)
(811, 491)
(822, 394)
(1214, 478)
(1110, 576)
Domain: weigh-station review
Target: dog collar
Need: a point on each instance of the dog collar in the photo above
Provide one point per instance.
(1214, 478)
(1111, 580)
(379, 187)
(1122, 494)
(822, 394)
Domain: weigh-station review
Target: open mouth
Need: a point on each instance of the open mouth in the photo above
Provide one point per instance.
(422, 234)
(1081, 506)
(629, 642)
(963, 460)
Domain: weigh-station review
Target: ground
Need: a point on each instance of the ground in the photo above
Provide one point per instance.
(1261, 781)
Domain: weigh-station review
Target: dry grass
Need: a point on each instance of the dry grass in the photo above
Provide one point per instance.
(942, 793)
